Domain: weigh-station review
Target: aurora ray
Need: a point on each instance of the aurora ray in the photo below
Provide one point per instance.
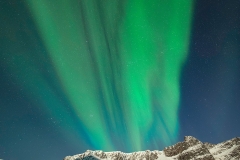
(119, 63)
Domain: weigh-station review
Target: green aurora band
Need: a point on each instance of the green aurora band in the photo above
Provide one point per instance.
(119, 64)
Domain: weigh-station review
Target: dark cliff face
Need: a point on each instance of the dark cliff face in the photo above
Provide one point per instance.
(181, 146)
(191, 148)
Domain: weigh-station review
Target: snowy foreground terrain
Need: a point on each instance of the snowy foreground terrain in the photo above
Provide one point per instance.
(190, 148)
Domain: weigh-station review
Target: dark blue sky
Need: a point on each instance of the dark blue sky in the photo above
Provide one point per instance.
(210, 83)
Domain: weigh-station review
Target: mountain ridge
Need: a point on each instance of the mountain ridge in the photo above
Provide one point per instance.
(189, 149)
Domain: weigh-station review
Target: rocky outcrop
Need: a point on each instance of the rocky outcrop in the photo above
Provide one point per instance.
(190, 149)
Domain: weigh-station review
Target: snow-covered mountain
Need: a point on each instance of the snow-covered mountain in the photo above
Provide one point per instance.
(190, 149)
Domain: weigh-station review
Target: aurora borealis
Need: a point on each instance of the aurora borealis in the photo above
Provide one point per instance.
(106, 67)
(114, 75)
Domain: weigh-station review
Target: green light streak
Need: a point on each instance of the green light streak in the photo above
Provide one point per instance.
(156, 38)
(63, 35)
(153, 45)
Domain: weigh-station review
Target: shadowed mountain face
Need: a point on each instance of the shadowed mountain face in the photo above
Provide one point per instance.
(190, 148)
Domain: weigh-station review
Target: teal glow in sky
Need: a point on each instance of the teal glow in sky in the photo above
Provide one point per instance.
(119, 65)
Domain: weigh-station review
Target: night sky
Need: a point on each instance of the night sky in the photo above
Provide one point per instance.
(124, 75)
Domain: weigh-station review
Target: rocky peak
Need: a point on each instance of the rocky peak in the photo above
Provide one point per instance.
(190, 148)
(192, 141)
